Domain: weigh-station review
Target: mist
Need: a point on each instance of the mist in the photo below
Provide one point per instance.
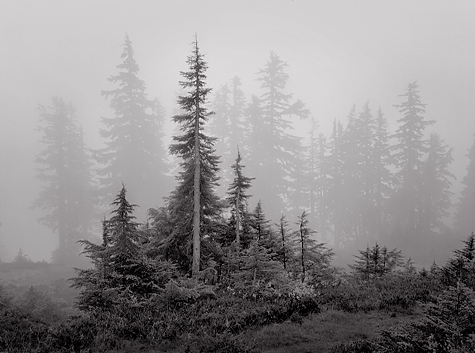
(339, 54)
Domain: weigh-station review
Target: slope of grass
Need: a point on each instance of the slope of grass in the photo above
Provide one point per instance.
(321, 332)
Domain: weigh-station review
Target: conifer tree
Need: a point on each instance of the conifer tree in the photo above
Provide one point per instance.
(194, 205)
(65, 171)
(237, 198)
(227, 124)
(259, 260)
(260, 224)
(284, 251)
(461, 266)
(383, 178)
(357, 143)
(409, 152)
(435, 189)
(312, 258)
(465, 221)
(134, 153)
(315, 176)
(276, 160)
(322, 188)
(336, 201)
(376, 261)
(122, 274)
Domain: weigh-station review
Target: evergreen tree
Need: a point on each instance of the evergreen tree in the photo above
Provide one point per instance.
(336, 202)
(376, 261)
(21, 257)
(322, 188)
(194, 205)
(435, 189)
(383, 178)
(276, 160)
(65, 170)
(285, 252)
(237, 198)
(461, 266)
(358, 175)
(122, 274)
(316, 179)
(134, 154)
(409, 153)
(260, 224)
(228, 125)
(465, 221)
(257, 264)
(312, 258)
(237, 124)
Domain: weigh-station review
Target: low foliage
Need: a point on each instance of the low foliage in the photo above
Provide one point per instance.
(397, 292)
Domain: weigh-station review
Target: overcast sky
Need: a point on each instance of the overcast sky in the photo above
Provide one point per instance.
(339, 53)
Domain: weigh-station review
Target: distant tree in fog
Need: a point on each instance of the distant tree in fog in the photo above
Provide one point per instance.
(358, 175)
(134, 153)
(366, 175)
(465, 217)
(316, 181)
(409, 152)
(276, 158)
(435, 192)
(336, 201)
(383, 177)
(356, 180)
(193, 205)
(65, 170)
(227, 124)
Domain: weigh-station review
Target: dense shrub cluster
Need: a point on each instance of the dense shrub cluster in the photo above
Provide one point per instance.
(396, 292)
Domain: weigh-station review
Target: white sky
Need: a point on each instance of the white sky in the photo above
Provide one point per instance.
(339, 53)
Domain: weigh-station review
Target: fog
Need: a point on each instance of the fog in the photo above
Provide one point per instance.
(339, 54)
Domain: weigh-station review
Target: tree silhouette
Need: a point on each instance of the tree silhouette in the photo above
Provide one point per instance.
(134, 154)
(194, 204)
(65, 171)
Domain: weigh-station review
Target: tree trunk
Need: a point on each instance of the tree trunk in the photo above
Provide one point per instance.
(196, 192)
(238, 219)
(302, 255)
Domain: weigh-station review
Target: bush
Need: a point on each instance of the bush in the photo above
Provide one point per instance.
(446, 326)
(397, 292)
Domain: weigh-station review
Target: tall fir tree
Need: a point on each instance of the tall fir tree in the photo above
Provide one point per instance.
(357, 144)
(227, 125)
(237, 199)
(336, 201)
(409, 152)
(311, 168)
(317, 181)
(65, 169)
(435, 190)
(322, 189)
(464, 219)
(134, 153)
(194, 205)
(276, 160)
(383, 178)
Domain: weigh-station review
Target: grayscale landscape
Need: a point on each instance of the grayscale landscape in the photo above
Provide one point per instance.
(237, 176)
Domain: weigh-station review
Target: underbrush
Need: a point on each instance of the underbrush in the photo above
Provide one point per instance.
(204, 322)
(395, 292)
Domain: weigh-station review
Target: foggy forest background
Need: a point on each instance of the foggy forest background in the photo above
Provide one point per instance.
(385, 171)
